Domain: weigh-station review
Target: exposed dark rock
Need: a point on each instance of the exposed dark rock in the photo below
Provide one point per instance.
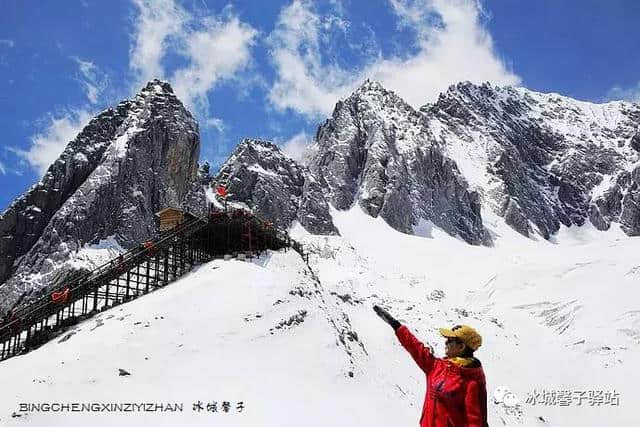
(23, 222)
(275, 187)
(539, 161)
(514, 217)
(377, 151)
(547, 152)
(127, 164)
(635, 142)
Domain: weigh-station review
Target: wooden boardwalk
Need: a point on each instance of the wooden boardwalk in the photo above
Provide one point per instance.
(149, 266)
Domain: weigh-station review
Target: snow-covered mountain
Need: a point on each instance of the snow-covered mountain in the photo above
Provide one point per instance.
(275, 187)
(378, 152)
(534, 160)
(127, 163)
(541, 160)
(502, 208)
(299, 344)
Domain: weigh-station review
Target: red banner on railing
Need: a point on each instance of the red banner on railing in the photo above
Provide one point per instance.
(60, 296)
(221, 190)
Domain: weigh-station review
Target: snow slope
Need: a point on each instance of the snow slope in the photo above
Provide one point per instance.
(302, 346)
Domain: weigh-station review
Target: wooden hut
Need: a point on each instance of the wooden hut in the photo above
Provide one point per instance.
(170, 217)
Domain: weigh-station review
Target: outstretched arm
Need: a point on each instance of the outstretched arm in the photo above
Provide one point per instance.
(420, 353)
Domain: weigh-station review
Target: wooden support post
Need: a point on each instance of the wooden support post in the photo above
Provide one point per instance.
(28, 333)
(137, 279)
(106, 294)
(156, 269)
(146, 288)
(174, 261)
(128, 286)
(166, 267)
(182, 257)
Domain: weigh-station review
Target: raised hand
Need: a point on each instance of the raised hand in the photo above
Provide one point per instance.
(384, 315)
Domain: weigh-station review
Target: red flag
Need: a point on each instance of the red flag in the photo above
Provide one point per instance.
(222, 191)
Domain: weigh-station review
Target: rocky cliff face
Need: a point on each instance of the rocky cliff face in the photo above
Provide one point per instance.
(127, 164)
(536, 160)
(541, 160)
(23, 222)
(275, 187)
(378, 151)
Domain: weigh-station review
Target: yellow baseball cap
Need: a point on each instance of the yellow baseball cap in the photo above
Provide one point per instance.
(464, 333)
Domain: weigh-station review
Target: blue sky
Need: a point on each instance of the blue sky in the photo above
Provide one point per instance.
(275, 71)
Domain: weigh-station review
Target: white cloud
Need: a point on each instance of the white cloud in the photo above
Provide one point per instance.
(3, 169)
(304, 83)
(298, 147)
(452, 45)
(157, 22)
(214, 47)
(47, 146)
(457, 48)
(216, 52)
(215, 123)
(93, 81)
(631, 94)
(7, 42)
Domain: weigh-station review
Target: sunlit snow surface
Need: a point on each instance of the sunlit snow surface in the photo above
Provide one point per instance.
(560, 315)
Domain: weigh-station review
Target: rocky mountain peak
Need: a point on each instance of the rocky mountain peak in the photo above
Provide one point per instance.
(156, 86)
(371, 96)
(541, 160)
(259, 175)
(369, 86)
(377, 151)
(258, 148)
(129, 162)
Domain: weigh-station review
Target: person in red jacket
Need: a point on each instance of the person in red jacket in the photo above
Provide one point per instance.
(456, 393)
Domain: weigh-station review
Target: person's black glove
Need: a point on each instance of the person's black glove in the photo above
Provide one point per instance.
(386, 317)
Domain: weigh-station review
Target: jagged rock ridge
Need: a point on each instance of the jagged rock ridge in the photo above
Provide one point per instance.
(378, 151)
(275, 186)
(537, 160)
(127, 163)
(541, 160)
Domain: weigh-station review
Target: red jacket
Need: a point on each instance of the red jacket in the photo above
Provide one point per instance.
(456, 396)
